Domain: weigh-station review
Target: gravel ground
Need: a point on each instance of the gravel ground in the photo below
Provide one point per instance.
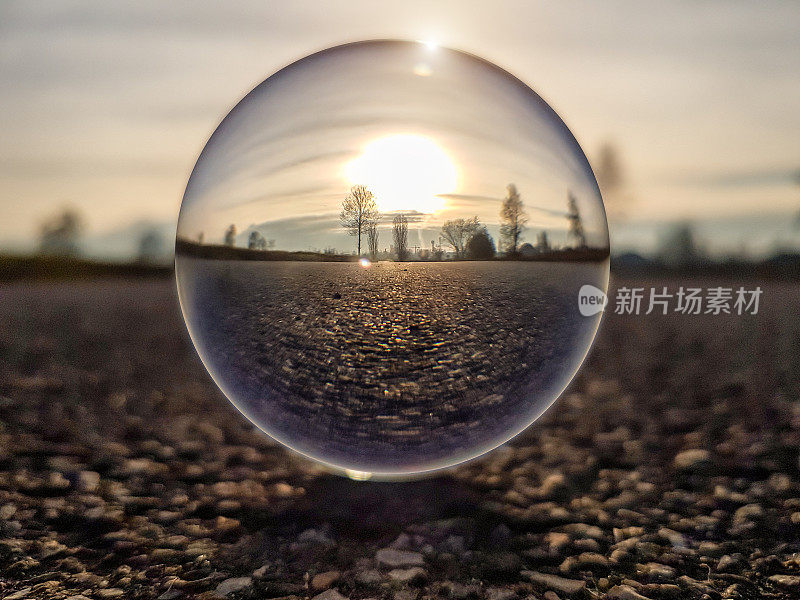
(669, 469)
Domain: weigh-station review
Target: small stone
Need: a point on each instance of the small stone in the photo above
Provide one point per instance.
(494, 593)
(331, 594)
(109, 593)
(234, 584)
(322, 581)
(314, 536)
(692, 459)
(172, 594)
(787, 582)
(586, 561)
(19, 595)
(625, 592)
(414, 575)
(656, 571)
(88, 481)
(405, 594)
(393, 559)
(554, 582)
(730, 563)
(368, 578)
(748, 512)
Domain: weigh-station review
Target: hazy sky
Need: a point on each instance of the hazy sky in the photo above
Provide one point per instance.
(106, 106)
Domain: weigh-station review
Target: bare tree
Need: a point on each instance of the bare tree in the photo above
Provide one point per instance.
(513, 219)
(575, 223)
(358, 212)
(458, 232)
(400, 236)
(230, 235)
(59, 235)
(372, 240)
(256, 241)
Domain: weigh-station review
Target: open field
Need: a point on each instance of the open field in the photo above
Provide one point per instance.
(669, 469)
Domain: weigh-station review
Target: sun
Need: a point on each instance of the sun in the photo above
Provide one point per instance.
(405, 172)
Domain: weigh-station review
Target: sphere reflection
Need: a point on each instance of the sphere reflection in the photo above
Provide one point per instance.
(379, 255)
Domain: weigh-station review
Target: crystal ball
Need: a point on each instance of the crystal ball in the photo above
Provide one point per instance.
(381, 253)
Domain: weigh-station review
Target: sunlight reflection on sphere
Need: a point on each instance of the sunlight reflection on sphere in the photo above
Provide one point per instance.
(380, 252)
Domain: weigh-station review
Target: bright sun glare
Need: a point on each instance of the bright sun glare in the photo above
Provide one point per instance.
(405, 172)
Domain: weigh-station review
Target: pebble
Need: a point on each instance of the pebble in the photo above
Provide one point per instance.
(625, 592)
(392, 558)
(786, 582)
(322, 581)
(369, 577)
(569, 587)
(331, 594)
(234, 584)
(414, 575)
(691, 459)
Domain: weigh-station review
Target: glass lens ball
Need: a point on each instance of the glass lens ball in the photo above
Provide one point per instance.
(380, 252)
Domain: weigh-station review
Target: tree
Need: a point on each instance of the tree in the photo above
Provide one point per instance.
(457, 233)
(151, 246)
(610, 176)
(372, 240)
(542, 242)
(481, 245)
(400, 236)
(230, 235)
(59, 235)
(575, 223)
(513, 219)
(359, 211)
(679, 247)
(256, 241)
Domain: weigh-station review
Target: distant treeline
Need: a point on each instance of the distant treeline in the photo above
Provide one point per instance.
(784, 265)
(185, 247)
(15, 268)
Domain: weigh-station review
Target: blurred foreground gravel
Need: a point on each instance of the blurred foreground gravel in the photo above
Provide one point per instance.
(669, 469)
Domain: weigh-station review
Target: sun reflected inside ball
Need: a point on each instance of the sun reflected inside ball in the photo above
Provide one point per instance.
(405, 172)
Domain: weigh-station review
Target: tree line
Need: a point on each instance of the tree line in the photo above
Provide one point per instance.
(467, 237)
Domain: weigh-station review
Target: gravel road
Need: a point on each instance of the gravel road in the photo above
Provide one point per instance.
(669, 469)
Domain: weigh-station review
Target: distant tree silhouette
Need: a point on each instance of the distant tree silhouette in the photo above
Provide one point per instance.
(512, 220)
(610, 176)
(151, 246)
(575, 223)
(542, 242)
(458, 232)
(359, 211)
(230, 235)
(481, 245)
(201, 237)
(400, 236)
(60, 234)
(256, 241)
(679, 248)
(372, 240)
